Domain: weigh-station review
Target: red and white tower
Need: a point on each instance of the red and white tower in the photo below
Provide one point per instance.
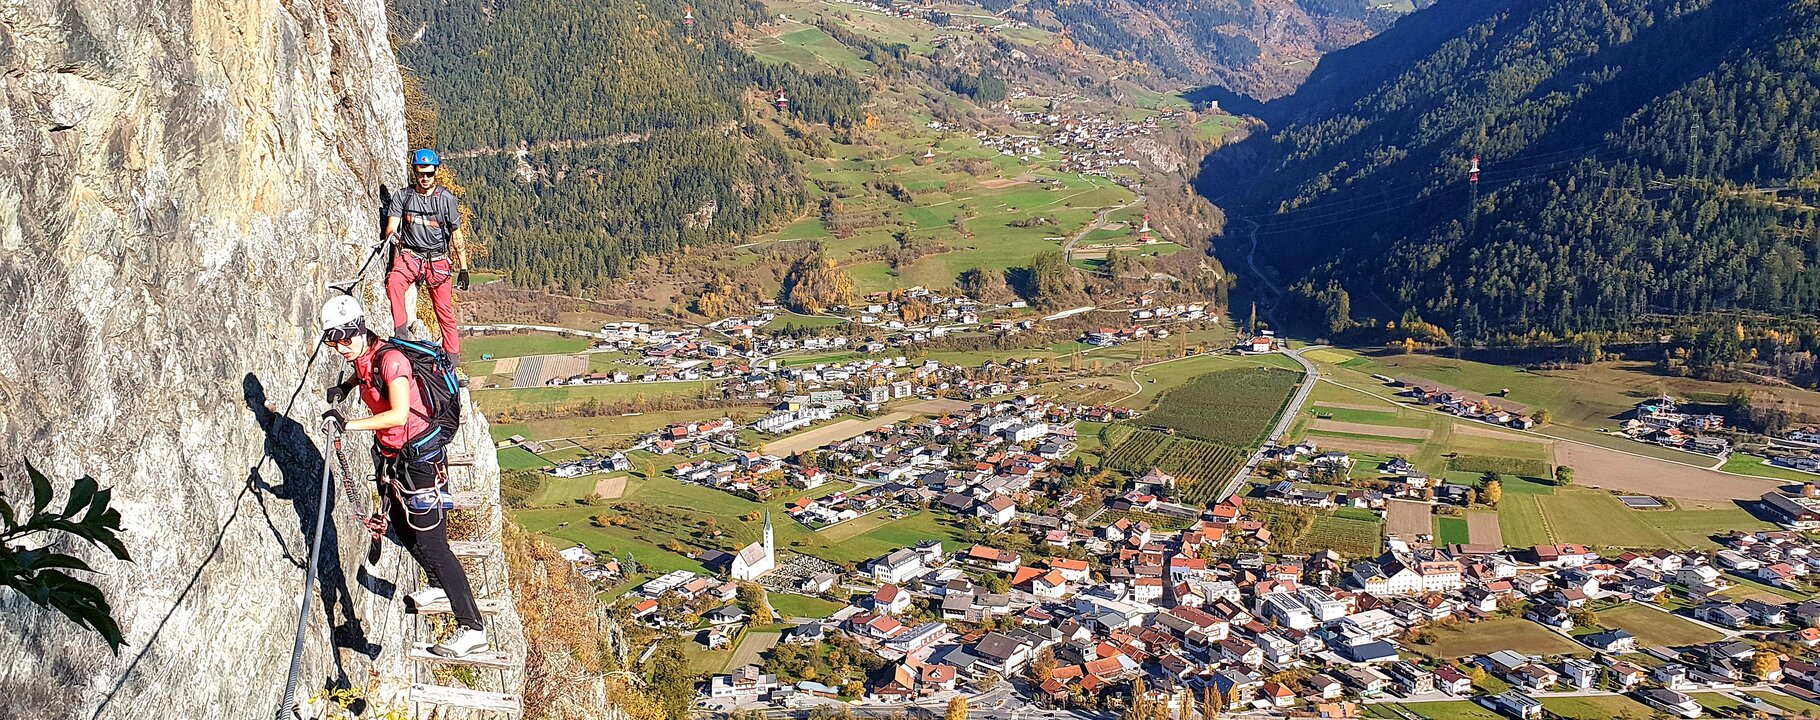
(1144, 232)
(688, 16)
(783, 103)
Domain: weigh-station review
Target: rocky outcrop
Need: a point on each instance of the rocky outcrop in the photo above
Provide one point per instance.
(178, 184)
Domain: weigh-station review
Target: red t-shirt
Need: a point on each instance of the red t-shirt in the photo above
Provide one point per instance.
(392, 364)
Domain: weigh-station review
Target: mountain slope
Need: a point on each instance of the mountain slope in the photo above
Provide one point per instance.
(635, 129)
(1261, 48)
(1625, 145)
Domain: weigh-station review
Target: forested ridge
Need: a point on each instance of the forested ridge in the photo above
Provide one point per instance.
(638, 127)
(1256, 47)
(1640, 158)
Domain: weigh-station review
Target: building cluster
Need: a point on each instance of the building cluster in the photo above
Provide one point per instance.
(1089, 144)
(1467, 405)
(1661, 421)
(1188, 604)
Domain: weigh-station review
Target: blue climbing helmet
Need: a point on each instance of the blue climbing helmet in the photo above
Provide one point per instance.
(425, 156)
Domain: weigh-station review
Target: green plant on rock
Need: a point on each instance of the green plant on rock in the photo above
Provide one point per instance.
(43, 575)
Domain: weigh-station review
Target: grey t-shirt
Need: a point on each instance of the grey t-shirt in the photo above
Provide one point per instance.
(427, 221)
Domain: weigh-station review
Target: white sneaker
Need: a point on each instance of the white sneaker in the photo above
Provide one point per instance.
(465, 642)
(426, 596)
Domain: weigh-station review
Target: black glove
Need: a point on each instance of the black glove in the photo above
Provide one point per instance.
(337, 393)
(461, 279)
(333, 422)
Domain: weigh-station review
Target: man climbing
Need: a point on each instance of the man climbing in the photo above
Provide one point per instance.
(396, 397)
(424, 223)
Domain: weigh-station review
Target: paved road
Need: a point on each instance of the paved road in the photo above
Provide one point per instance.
(1310, 376)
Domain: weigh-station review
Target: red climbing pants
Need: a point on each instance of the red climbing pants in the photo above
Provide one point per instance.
(436, 275)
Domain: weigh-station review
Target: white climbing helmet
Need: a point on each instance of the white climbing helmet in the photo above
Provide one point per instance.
(342, 318)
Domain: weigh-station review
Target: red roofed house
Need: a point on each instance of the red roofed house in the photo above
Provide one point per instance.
(890, 600)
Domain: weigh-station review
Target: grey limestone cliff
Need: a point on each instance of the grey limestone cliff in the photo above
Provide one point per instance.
(179, 182)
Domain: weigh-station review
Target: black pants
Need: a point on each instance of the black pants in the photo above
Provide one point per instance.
(430, 548)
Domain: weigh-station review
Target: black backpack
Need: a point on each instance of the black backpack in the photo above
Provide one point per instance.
(438, 391)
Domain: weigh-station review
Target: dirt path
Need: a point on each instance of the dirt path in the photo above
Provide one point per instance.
(1406, 519)
(1352, 428)
(1482, 527)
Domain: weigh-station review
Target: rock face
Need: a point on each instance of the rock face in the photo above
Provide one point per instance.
(179, 182)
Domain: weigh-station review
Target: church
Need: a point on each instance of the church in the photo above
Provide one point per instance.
(758, 558)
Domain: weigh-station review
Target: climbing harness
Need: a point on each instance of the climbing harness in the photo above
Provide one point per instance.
(431, 502)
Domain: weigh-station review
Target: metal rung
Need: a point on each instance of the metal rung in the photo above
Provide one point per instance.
(472, 500)
(487, 606)
(462, 461)
(473, 548)
(489, 658)
(464, 698)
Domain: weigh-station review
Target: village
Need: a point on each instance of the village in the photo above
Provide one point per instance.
(1090, 603)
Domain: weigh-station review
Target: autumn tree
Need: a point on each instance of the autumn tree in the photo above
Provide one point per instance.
(1764, 664)
(754, 598)
(1043, 667)
(1211, 702)
(983, 285)
(957, 709)
(1139, 709)
(814, 284)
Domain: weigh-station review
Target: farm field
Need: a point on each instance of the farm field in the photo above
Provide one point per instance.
(1655, 628)
(503, 345)
(1501, 633)
(1591, 517)
(1599, 707)
(1407, 519)
(1201, 468)
(1440, 710)
(1482, 528)
(1598, 468)
(830, 433)
(793, 605)
(660, 511)
(1752, 465)
(1301, 530)
(613, 430)
(1451, 530)
(515, 458)
(563, 491)
(516, 400)
(752, 647)
(1582, 400)
(1231, 407)
(1348, 536)
(1155, 380)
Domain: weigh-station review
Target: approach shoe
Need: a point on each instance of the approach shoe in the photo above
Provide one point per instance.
(466, 642)
(424, 597)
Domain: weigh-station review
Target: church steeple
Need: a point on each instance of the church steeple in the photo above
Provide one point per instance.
(770, 542)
